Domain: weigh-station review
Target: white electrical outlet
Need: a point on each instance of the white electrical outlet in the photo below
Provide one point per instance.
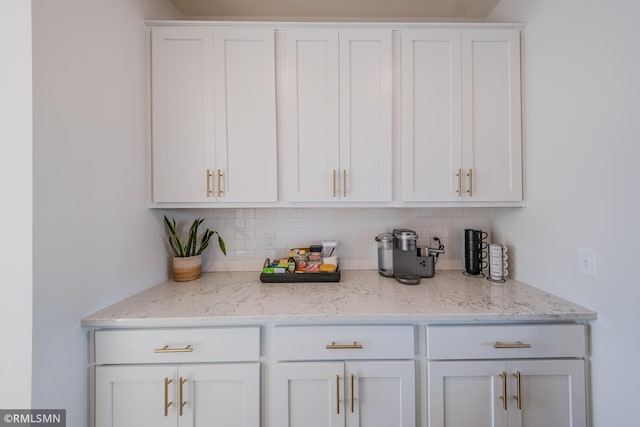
(269, 240)
(587, 262)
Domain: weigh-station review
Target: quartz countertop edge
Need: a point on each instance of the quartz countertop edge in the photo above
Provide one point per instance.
(363, 296)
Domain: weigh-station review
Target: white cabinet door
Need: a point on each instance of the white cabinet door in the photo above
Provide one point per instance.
(551, 393)
(463, 394)
(134, 396)
(308, 395)
(245, 111)
(182, 113)
(309, 86)
(538, 393)
(491, 132)
(355, 394)
(380, 394)
(194, 395)
(365, 115)
(431, 115)
(336, 116)
(225, 395)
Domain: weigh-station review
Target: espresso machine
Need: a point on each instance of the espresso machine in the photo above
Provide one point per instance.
(411, 263)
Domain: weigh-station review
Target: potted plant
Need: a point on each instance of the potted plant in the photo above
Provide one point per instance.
(187, 260)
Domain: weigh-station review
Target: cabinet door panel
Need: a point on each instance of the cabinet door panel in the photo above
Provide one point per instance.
(365, 115)
(306, 395)
(221, 395)
(133, 396)
(491, 114)
(246, 151)
(182, 113)
(383, 394)
(553, 393)
(463, 394)
(431, 107)
(310, 113)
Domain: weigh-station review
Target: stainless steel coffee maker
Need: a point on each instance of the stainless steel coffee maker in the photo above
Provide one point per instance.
(405, 254)
(410, 263)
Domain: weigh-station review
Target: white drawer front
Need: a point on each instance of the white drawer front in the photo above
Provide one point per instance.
(343, 342)
(238, 344)
(505, 341)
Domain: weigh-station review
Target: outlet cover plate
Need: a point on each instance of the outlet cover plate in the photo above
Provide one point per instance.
(587, 262)
(270, 240)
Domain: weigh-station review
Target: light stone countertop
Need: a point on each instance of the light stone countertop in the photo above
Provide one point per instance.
(239, 298)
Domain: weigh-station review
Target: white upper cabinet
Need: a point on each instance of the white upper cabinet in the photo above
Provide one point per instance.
(491, 117)
(182, 113)
(217, 139)
(431, 114)
(245, 111)
(213, 115)
(461, 125)
(309, 93)
(336, 115)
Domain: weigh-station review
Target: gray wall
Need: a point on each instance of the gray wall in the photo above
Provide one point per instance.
(581, 110)
(95, 240)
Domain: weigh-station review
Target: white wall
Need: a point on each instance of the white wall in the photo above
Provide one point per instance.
(95, 240)
(582, 136)
(16, 283)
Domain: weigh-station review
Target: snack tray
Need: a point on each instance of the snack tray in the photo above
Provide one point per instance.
(299, 277)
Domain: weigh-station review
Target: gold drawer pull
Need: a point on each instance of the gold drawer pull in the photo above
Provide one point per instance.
(516, 344)
(518, 395)
(167, 381)
(166, 349)
(182, 401)
(504, 391)
(209, 192)
(334, 346)
(337, 394)
(353, 404)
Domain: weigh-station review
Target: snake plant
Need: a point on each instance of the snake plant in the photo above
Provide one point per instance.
(191, 248)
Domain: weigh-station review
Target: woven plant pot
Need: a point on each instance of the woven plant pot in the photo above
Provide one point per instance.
(187, 268)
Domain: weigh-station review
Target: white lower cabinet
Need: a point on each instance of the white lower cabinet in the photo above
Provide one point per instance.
(178, 377)
(500, 392)
(351, 375)
(226, 395)
(538, 393)
(363, 394)
(347, 375)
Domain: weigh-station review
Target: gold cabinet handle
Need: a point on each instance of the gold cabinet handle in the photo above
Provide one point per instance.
(344, 182)
(167, 381)
(334, 183)
(334, 346)
(459, 175)
(504, 390)
(470, 175)
(353, 405)
(518, 395)
(220, 175)
(337, 394)
(167, 349)
(209, 175)
(517, 344)
(182, 401)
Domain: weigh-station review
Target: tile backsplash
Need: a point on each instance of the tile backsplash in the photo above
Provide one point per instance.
(245, 232)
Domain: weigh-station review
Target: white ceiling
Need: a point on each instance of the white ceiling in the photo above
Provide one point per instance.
(397, 9)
